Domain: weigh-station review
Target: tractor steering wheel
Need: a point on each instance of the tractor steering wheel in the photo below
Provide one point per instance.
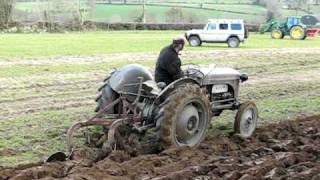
(194, 72)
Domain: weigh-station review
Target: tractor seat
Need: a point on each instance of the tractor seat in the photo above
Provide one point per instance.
(151, 87)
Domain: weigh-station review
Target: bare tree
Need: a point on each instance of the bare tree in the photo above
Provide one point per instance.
(92, 7)
(79, 12)
(137, 16)
(190, 17)
(298, 5)
(6, 9)
(72, 13)
(174, 15)
(273, 9)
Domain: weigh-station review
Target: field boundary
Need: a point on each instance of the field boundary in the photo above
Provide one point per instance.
(17, 27)
(183, 6)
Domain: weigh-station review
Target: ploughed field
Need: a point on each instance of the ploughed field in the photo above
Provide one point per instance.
(41, 97)
(286, 150)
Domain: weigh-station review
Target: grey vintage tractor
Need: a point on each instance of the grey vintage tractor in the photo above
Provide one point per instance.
(180, 112)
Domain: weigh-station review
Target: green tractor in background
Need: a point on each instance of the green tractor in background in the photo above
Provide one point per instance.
(297, 28)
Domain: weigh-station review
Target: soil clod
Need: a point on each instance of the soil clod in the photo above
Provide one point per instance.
(286, 150)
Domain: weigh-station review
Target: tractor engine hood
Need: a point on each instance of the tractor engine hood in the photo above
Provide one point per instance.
(220, 74)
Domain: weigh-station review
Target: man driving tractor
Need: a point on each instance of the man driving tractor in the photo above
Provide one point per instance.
(168, 66)
(179, 115)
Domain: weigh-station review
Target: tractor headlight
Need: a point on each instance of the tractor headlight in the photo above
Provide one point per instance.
(243, 77)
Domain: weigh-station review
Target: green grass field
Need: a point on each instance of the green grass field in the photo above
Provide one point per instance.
(43, 90)
(31, 45)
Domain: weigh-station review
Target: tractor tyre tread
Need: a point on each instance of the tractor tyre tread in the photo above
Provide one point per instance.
(241, 109)
(169, 109)
(302, 37)
(280, 31)
(104, 97)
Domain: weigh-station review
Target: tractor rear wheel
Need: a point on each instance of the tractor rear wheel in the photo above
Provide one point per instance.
(246, 119)
(297, 33)
(277, 34)
(105, 97)
(184, 117)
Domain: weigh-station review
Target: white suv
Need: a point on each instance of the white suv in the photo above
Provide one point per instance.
(231, 31)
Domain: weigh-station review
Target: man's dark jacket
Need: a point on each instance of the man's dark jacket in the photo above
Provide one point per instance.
(168, 67)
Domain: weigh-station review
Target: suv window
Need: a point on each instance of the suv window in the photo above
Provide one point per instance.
(236, 27)
(223, 26)
(211, 26)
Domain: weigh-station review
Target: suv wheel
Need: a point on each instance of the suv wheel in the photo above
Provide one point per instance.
(194, 41)
(233, 42)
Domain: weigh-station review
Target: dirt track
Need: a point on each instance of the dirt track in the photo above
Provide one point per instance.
(80, 88)
(289, 150)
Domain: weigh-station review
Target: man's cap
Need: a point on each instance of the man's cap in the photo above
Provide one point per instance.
(178, 40)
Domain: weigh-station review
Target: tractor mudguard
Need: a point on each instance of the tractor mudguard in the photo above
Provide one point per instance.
(128, 75)
(126, 79)
(172, 86)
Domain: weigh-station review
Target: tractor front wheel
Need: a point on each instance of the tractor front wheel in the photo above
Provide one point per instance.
(277, 34)
(297, 33)
(246, 119)
(184, 117)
